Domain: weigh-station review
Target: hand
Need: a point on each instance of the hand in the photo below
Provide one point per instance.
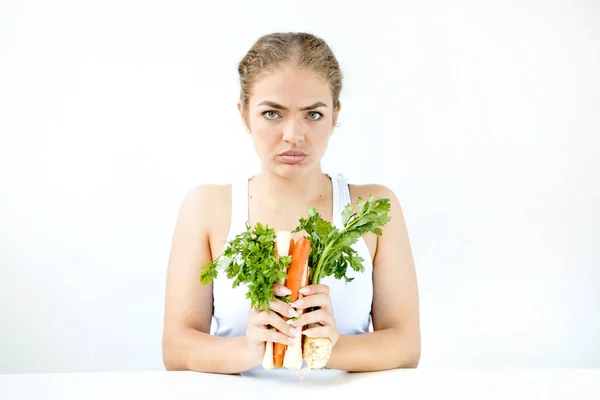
(258, 331)
(317, 296)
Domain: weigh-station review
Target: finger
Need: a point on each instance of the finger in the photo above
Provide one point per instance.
(277, 322)
(315, 300)
(280, 290)
(282, 308)
(258, 318)
(314, 289)
(258, 336)
(273, 336)
(315, 317)
(319, 332)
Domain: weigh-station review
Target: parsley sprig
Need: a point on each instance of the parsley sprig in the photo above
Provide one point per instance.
(332, 252)
(250, 258)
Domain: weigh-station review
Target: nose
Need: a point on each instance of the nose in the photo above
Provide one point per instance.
(293, 131)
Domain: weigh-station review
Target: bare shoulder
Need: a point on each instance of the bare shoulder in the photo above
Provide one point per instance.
(374, 189)
(394, 230)
(204, 199)
(207, 208)
(378, 191)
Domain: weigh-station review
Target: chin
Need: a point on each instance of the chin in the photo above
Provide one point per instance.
(291, 171)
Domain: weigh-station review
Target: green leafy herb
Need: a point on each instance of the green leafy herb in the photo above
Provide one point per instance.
(331, 248)
(250, 258)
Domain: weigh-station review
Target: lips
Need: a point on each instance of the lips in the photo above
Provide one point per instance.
(293, 153)
(292, 157)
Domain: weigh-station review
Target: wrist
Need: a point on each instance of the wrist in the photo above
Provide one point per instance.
(337, 353)
(250, 357)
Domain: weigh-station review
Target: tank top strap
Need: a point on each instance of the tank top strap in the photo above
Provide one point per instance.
(341, 197)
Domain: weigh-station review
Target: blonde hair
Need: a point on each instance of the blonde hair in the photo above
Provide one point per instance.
(302, 50)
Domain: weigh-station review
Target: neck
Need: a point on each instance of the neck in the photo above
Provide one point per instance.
(308, 188)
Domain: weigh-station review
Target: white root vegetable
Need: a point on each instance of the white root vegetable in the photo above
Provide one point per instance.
(267, 361)
(283, 240)
(317, 352)
(293, 354)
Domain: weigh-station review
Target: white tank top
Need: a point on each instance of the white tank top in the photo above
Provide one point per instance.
(351, 302)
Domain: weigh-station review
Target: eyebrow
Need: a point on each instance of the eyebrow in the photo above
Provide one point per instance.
(280, 107)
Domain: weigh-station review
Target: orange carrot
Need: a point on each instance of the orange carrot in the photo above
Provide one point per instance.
(298, 267)
(279, 349)
(296, 276)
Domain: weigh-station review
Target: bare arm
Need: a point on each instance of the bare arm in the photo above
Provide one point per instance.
(187, 342)
(396, 340)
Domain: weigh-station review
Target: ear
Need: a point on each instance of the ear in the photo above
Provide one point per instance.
(336, 114)
(242, 112)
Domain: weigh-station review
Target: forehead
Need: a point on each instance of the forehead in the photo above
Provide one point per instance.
(291, 87)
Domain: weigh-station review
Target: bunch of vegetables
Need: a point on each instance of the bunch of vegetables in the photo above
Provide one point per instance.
(260, 257)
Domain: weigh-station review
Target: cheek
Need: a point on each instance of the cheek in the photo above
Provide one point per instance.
(322, 132)
(261, 126)
(265, 134)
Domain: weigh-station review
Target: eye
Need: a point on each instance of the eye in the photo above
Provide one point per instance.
(315, 116)
(270, 114)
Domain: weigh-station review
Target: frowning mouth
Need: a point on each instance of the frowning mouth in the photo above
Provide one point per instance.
(292, 156)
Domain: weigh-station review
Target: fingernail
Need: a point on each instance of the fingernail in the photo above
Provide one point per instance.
(304, 290)
(287, 291)
(294, 313)
(297, 303)
(294, 331)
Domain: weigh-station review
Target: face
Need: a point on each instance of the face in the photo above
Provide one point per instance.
(290, 116)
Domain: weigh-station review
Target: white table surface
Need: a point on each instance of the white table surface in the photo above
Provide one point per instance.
(399, 384)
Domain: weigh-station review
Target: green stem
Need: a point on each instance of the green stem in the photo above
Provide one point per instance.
(324, 257)
(317, 275)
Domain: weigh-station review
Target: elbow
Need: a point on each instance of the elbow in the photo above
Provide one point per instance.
(410, 354)
(411, 360)
(172, 354)
(170, 363)
(414, 354)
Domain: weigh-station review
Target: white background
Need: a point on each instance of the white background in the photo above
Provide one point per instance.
(482, 116)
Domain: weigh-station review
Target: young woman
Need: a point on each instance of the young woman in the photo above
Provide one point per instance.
(289, 103)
